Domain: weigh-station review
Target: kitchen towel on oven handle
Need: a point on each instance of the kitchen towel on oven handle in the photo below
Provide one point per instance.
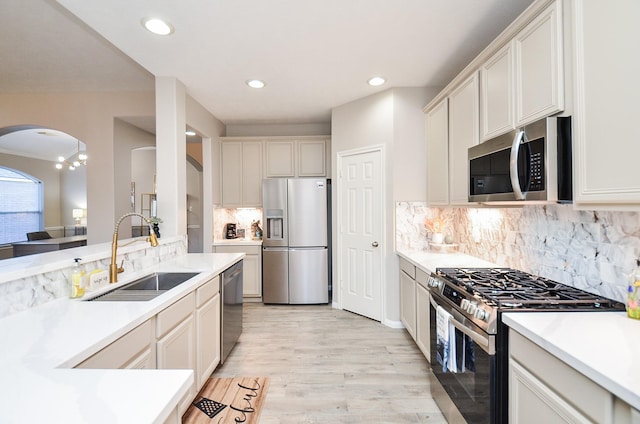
(445, 341)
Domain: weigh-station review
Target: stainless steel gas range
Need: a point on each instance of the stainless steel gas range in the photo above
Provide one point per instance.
(469, 342)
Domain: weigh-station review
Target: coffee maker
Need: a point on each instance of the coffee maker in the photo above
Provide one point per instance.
(230, 231)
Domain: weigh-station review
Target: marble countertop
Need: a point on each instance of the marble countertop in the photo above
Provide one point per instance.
(603, 346)
(237, 242)
(42, 344)
(429, 261)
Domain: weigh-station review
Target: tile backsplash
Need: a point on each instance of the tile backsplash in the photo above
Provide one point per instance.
(591, 250)
(242, 216)
(39, 288)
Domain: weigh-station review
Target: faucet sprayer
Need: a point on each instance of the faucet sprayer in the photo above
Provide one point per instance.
(114, 270)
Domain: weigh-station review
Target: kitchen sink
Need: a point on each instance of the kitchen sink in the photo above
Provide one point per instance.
(147, 287)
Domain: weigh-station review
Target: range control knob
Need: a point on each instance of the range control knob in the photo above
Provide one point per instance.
(464, 304)
(434, 282)
(481, 314)
(472, 307)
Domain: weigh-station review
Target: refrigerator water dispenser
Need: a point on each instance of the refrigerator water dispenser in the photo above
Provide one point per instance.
(275, 224)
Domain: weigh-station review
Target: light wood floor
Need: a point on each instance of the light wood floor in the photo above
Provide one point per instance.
(332, 366)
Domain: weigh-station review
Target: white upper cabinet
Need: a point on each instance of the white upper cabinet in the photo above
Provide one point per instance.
(452, 127)
(497, 93)
(463, 131)
(606, 92)
(302, 157)
(437, 134)
(241, 176)
(280, 158)
(539, 67)
(524, 80)
(312, 158)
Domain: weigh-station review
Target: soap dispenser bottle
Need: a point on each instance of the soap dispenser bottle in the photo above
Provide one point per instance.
(77, 279)
(633, 295)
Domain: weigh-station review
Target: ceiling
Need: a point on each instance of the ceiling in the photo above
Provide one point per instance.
(313, 55)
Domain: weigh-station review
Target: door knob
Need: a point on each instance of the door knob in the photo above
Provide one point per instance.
(374, 244)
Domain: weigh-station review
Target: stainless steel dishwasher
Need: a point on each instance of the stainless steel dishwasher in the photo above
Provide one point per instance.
(231, 308)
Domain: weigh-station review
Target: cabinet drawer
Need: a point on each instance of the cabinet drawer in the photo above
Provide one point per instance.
(207, 291)
(247, 250)
(408, 268)
(119, 353)
(422, 278)
(174, 314)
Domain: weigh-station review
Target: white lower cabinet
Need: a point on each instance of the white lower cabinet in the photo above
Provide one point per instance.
(543, 389)
(414, 305)
(423, 318)
(207, 330)
(408, 296)
(176, 347)
(184, 335)
(251, 268)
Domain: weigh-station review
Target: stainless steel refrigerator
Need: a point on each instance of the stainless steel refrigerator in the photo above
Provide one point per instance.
(295, 258)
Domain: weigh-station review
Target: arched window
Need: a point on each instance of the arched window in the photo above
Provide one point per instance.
(20, 205)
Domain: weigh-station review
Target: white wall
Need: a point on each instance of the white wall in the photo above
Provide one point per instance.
(410, 148)
(264, 130)
(73, 193)
(393, 119)
(210, 129)
(127, 138)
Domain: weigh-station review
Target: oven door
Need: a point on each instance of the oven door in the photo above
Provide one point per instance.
(472, 386)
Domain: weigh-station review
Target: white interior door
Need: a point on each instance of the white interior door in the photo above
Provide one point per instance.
(360, 234)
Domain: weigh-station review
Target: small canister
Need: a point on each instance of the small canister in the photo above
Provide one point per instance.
(633, 295)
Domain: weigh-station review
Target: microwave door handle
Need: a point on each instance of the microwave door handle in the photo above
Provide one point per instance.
(513, 165)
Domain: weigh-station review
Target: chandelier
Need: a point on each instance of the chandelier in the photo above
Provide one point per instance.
(72, 162)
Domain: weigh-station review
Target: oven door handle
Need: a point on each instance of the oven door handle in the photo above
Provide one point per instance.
(513, 165)
(480, 340)
(488, 345)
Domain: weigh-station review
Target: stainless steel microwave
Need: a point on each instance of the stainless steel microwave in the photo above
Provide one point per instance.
(532, 163)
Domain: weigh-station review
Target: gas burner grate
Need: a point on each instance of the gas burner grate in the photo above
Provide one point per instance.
(507, 288)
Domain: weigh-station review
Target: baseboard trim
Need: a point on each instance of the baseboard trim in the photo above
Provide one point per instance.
(393, 323)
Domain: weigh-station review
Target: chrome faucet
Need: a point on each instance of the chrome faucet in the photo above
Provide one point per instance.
(114, 269)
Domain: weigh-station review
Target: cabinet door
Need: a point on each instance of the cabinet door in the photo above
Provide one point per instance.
(252, 275)
(497, 93)
(408, 303)
(208, 339)
(311, 158)
(177, 350)
(423, 321)
(539, 67)
(463, 133)
(279, 158)
(252, 173)
(605, 128)
(437, 133)
(231, 178)
(252, 268)
(532, 402)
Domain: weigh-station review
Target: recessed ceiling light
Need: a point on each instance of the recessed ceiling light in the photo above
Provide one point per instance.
(190, 133)
(376, 81)
(255, 83)
(157, 26)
